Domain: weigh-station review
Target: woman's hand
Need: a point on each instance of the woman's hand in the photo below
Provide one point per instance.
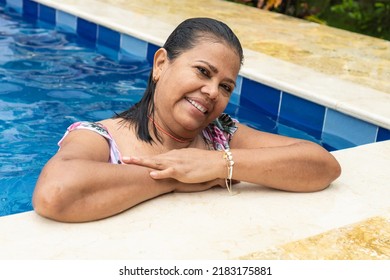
(185, 165)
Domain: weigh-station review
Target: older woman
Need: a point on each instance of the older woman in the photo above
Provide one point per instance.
(177, 138)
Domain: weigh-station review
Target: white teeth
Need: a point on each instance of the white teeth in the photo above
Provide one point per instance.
(197, 106)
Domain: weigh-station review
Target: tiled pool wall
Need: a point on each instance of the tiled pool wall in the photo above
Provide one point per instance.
(285, 108)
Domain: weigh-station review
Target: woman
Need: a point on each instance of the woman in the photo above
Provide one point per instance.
(175, 139)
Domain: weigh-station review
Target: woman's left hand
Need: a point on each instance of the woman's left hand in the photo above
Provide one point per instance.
(188, 165)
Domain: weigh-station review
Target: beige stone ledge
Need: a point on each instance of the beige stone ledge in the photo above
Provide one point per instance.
(215, 225)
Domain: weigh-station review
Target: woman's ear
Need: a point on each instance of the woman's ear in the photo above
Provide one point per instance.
(160, 60)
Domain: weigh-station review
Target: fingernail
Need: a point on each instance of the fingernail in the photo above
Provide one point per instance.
(125, 158)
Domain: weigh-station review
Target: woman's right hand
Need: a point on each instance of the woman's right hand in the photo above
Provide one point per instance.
(187, 165)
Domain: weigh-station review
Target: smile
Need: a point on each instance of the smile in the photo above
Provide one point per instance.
(197, 105)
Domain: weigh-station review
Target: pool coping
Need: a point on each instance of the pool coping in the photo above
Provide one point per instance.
(214, 225)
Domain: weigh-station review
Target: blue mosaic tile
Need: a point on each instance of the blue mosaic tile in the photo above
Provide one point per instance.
(236, 94)
(252, 118)
(47, 14)
(383, 134)
(66, 22)
(133, 46)
(30, 8)
(302, 114)
(17, 5)
(344, 131)
(259, 97)
(2, 2)
(150, 52)
(108, 52)
(87, 29)
(108, 38)
(330, 147)
(290, 131)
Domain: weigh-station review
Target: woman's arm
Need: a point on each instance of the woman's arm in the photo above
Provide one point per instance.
(78, 184)
(282, 162)
(262, 158)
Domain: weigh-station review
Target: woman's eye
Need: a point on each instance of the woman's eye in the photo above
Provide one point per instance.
(203, 71)
(227, 88)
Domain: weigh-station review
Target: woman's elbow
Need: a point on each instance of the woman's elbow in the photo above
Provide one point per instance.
(47, 202)
(333, 169)
(329, 173)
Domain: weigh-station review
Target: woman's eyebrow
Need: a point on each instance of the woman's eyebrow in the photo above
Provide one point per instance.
(215, 70)
(212, 67)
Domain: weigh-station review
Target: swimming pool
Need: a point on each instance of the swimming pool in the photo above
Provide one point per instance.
(50, 79)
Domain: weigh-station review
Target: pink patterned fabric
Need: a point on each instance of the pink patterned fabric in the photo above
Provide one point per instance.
(115, 156)
(220, 132)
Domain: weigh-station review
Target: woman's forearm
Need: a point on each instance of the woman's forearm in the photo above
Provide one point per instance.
(299, 167)
(81, 190)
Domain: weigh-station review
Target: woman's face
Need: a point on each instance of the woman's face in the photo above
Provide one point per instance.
(194, 89)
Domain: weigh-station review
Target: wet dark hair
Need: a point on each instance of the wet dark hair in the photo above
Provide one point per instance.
(183, 38)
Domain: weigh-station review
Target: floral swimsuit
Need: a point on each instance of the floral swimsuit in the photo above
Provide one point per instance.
(217, 134)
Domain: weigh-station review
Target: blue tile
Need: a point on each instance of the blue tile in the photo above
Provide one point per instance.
(259, 97)
(383, 134)
(251, 118)
(47, 14)
(108, 52)
(2, 1)
(150, 53)
(17, 5)
(108, 38)
(66, 22)
(329, 147)
(134, 46)
(344, 131)
(236, 94)
(290, 131)
(30, 8)
(87, 29)
(302, 114)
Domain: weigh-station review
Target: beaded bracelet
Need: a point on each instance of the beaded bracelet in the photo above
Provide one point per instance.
(229, 164)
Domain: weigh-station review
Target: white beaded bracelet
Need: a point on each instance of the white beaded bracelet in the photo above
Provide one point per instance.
(229, 164)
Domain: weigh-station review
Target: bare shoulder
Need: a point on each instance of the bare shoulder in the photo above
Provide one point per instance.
(123, 134)
(246, 137)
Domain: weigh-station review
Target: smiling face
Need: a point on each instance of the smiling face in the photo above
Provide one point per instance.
(194, 89)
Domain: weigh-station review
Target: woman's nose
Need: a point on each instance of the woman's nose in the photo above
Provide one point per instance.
(211, 90)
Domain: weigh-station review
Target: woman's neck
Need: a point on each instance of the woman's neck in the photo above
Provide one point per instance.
(169, 135)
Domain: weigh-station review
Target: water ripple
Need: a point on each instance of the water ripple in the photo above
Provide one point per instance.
(49, 40)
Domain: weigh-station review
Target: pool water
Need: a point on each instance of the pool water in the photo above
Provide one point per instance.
(50, 79)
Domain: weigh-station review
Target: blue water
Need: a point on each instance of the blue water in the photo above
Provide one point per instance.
(50, 79)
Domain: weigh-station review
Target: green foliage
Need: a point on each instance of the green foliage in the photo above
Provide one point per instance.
(370, 17)
(366, 17)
